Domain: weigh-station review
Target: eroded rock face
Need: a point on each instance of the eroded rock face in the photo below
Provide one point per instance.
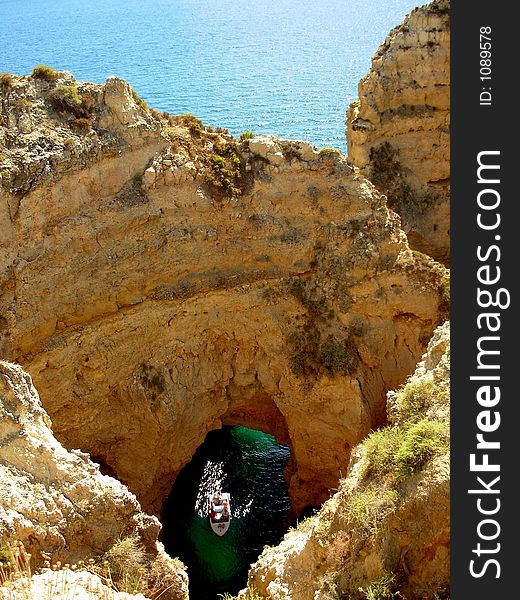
(385, 529)
(59, 506)
(398, 130)
(178, 280)
(54, 501)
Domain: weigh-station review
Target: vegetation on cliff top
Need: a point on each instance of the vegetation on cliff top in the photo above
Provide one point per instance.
(67, 99)
(6, 81)
(247, 135)
(45, 72)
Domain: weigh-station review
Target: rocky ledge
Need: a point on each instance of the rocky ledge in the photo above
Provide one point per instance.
(62, 510)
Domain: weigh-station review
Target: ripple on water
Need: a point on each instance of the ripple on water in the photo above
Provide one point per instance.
(234, 63)
(250, 465)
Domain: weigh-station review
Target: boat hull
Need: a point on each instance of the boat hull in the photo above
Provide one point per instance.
(219, 528)
(218, 524)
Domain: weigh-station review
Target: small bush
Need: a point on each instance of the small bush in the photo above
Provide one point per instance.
(226, 174)
(217, 162)
(6, 557)
(305, 344)
(6, 81)
(124, 565)
(416, 396)
(370, 506)
(380, 447)
(403, 451)
(421, 442)
(65, 98)
(329, 152)
(250, 594)
(334, 357)
(195, 126)
(382, 589)
(127, 568)
(298, 363)
(138, 100)
(45, 72)
(15, 566)
(247, 135)
(6, 177)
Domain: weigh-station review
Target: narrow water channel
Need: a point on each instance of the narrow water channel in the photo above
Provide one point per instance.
(250, 465)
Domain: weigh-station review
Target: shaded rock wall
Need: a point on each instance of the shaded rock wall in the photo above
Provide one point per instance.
(55, 501)
(398, 130)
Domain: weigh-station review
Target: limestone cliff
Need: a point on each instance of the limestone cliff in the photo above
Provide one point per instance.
(57, 503)
(159, 279)
(387, 528)
(398, 130)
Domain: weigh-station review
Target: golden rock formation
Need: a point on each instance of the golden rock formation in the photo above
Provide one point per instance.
(59, 506)
(398, 130)
(159, 279)
(387, 528)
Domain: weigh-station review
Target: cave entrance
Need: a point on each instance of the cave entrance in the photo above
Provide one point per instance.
(250, 465)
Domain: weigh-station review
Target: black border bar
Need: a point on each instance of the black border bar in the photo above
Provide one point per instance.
(484, 123)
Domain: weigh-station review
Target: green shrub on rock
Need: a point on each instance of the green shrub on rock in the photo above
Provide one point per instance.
(65, 98)
(45, 72)
(247, 135)
(403, 451)
(329, 152)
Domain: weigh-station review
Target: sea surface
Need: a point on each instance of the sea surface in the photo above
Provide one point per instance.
(250, 465)
(288, 67)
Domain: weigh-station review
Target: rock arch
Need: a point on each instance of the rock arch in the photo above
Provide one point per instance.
(149, 310)
(147, 397)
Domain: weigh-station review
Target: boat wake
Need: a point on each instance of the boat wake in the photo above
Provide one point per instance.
(212, 481)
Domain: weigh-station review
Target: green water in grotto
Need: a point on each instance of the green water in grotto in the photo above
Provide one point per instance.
(250, 465)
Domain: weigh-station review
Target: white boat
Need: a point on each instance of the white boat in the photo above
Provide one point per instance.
(219, 512)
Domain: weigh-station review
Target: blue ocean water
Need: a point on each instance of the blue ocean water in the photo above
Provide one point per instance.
(288, 67)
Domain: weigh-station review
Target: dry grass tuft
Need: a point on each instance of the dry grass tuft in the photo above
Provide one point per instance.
(45, 72)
